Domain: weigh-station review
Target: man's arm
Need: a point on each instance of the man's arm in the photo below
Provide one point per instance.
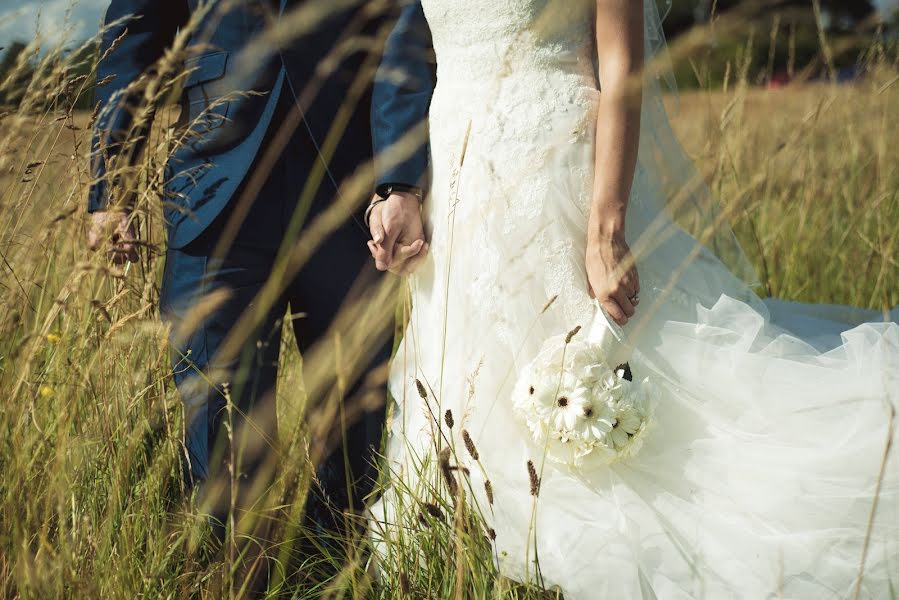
(138, 33)
(400, 102)
(402, 95)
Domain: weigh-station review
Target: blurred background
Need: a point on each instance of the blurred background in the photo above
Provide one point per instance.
(785, 34)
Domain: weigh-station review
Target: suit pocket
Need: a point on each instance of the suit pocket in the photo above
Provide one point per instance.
(204, 108)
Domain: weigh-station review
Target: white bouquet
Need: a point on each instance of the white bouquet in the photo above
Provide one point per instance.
(583, 410)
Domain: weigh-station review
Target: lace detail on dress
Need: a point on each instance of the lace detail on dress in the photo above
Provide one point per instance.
(532, 118)
(530, 59)
(566, 280)
(480, 39)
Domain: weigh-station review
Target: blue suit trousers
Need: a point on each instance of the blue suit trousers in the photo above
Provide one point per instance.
(191, 273)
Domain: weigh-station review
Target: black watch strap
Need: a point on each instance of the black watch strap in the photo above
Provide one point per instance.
(385, 189)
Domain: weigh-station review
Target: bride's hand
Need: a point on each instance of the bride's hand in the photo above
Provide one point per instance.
(612, 276)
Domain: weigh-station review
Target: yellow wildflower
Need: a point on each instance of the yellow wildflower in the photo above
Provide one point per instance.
(46, 391)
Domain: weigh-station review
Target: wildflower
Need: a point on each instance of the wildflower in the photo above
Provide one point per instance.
(46, 391)
(53, 338)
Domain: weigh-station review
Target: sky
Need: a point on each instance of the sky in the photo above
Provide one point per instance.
(22, 19)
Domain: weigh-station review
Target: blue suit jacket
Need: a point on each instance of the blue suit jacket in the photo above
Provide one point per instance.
(206, 172)
(402, 95)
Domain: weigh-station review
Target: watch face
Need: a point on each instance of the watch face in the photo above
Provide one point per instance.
(384, 190)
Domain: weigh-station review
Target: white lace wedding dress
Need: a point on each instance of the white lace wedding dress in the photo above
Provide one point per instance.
(758, 476)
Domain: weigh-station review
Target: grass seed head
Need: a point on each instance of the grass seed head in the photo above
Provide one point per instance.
(571, 334)
(423, 519)
(548, 304)
(421, 389)
(405, 587)
(535, 481)
(434, 510)
(447, 471)
(469, 445)
(488, 489)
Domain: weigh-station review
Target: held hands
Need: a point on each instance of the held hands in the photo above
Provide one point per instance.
(612, 276)
(398, 241)
(115, 230)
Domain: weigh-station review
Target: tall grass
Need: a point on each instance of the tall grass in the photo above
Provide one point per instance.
(91, 502)
(808, 172)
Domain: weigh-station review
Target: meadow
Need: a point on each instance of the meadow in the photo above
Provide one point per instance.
(90, 422)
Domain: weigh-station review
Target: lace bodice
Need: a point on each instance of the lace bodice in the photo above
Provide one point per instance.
(481, 42)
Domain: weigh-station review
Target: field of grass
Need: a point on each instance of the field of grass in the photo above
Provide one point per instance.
(813, 183)
(90, 423)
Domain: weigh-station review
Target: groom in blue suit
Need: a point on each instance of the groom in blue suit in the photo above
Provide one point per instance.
(231, 203)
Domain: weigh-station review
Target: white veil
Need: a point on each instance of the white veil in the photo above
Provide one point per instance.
(665, 167)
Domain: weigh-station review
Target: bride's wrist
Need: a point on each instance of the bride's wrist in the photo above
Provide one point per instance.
(605, 228)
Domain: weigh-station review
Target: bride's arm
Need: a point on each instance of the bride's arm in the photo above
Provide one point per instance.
(619, 44)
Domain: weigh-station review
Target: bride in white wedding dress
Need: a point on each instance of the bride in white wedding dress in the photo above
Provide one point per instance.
(767, 444)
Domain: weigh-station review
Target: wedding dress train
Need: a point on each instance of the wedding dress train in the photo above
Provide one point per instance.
(766, 450)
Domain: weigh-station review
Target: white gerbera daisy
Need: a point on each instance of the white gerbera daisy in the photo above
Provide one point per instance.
(597, 421)
(570, 408)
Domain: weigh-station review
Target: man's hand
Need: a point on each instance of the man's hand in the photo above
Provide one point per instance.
(115, 230)
(398, 240)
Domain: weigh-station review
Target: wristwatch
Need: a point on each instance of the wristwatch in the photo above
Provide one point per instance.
(384, 191)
